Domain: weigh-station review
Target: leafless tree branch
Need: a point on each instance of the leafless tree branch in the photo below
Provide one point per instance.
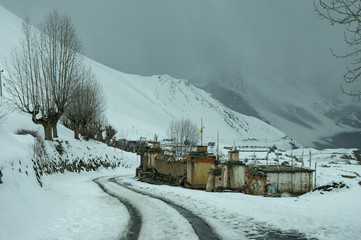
(347, 13)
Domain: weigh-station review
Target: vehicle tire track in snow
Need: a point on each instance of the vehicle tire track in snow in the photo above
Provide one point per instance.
(135, 221)
(202, 229)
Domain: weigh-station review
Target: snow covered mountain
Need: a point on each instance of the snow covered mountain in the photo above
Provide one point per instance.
(144, 106)
(297, 108)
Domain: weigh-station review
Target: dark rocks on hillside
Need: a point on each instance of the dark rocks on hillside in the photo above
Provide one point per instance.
(331, 186)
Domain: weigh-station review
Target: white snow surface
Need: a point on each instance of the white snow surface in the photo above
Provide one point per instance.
(72, 206)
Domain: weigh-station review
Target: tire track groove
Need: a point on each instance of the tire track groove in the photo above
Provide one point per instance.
(202, 229)
(135, 222)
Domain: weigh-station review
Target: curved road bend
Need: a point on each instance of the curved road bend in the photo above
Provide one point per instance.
(202, 229)
(135, 221)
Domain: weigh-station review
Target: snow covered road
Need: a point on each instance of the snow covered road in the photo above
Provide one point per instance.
(205, 229)
(162, 220)
(135, 221)
(158, 219)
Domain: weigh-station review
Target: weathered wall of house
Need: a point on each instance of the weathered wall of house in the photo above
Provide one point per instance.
(233, 155)
(237, 178)
(214, 178)
(292, 182)
(210, 186)
(225, 181)
(201, 172)
(144, 160)
(256, 185)
(151, 155)
(173, 168)
(197, 172)
(254, 179)
(190, 169)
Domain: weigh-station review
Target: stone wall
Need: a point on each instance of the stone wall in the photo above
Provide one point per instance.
(169, 167)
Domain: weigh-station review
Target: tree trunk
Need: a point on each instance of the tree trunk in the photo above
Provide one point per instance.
(83, 128)
(54, 127)
(76, 130)
(47, 132)
(46, 125)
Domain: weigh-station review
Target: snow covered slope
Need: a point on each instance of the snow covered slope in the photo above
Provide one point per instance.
(145, 106)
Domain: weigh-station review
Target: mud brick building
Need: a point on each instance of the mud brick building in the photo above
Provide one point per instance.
(235, 175)
(198, 165)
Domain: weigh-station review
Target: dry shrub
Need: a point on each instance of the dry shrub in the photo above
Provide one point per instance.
(26, 132)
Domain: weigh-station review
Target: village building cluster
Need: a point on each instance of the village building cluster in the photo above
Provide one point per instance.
(202, 170)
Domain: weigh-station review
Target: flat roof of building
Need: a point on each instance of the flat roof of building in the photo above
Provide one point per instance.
(281, 168)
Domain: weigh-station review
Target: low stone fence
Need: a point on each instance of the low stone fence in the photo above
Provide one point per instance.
(167, 166)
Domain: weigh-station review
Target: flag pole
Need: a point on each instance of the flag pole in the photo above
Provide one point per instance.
(201, 132)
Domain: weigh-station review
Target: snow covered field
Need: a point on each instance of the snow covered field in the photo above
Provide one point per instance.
(72, 206)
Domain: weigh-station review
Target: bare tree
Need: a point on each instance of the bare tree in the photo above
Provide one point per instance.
(184, 134)
(62, 62)
(3, 112)
(87, 103)
(110, 133)
(348, 13)
(44, 70)
(96, 128)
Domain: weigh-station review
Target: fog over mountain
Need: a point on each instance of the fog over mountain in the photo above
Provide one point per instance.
(275, 46)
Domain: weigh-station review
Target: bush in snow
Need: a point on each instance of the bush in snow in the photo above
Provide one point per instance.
(357, 154)
(26, 132)
(58, 157)
(110, 135)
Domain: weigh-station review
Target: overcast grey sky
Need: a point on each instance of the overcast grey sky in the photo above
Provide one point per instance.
(198, 38)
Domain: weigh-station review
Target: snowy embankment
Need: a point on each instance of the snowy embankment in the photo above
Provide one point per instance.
(72, 206)
(69, 205)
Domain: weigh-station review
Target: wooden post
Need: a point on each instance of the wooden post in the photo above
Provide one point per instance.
(315, 173)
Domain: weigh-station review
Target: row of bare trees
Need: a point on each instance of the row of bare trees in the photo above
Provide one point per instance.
(184, 135)
(86, 105)
(47, 77)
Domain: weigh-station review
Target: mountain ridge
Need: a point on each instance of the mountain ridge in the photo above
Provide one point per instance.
(145, 105)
